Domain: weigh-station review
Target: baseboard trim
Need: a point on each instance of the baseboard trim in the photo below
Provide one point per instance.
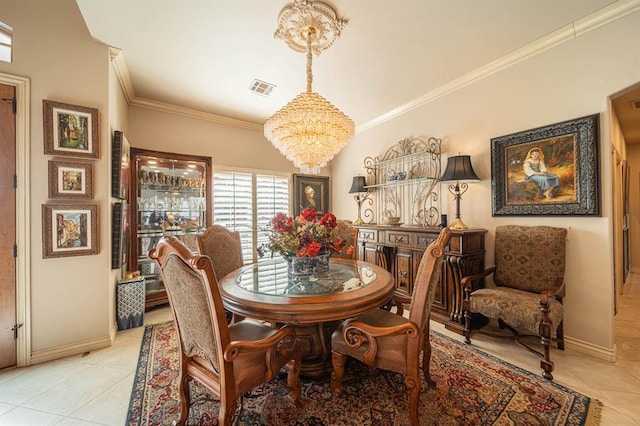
(600, 352)
(63, 351)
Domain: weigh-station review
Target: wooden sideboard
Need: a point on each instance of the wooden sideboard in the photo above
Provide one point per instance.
(399, 249)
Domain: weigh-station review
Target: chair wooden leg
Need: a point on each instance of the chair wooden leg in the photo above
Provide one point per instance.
(414, 398)
(293, 380)
(185, 402)
(338, 361)
(227, 408)
(426, 360)
(545, 338)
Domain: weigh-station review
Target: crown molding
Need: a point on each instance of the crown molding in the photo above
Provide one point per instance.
(122, 73)
(570, 31)
(597, 19)
(192, 113)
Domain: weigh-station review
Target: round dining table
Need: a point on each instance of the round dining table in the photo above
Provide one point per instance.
(313, 305)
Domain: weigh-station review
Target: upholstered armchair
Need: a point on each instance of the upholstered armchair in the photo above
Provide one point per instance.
(229, 360)
(389, 341)
(529, 278)
(347, 233)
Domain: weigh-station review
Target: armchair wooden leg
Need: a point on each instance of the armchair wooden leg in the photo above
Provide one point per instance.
(338, 361)
(414, 398)
(185, 402)
(545, 338)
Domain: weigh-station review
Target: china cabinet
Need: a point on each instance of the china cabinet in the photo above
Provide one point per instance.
(170, 196)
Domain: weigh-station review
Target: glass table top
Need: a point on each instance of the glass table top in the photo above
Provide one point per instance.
(271, 278)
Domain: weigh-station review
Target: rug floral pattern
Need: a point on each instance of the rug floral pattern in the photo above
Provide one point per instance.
(473, 388)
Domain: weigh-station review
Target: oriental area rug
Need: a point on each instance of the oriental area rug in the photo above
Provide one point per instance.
(473, 388)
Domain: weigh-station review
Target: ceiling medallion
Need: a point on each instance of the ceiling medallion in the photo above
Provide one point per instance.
(309, 130)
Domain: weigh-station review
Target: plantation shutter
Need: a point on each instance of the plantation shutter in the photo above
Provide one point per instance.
(234, 195)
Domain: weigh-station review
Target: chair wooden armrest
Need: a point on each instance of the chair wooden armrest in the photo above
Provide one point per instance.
(356, 333)
(469, 279)
(284, 336)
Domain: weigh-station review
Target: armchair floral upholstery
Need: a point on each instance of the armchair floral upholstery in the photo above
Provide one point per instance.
(347, 233)
(529, 277)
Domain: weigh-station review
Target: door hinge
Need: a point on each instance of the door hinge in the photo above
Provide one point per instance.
(15, 330)
(15, 181)
(15, 250)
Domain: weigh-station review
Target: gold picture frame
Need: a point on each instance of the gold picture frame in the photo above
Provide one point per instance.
(70, 130)
(70, 180)
(69, 230)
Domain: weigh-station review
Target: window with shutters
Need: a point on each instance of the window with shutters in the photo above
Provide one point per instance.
(246, 202)
(6, 38)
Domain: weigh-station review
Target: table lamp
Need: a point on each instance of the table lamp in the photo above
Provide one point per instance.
(458, 168)
(358, 187)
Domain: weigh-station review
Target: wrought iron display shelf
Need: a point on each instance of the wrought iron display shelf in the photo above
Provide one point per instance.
(404, 180)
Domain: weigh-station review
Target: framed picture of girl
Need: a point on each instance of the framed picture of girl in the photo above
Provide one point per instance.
(551, 170)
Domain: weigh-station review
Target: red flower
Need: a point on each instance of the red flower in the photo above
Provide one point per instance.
(282, 223)
(310, 215)
(313, 249)
(329, 220)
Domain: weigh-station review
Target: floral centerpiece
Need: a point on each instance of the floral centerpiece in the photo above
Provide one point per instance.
(303, 236)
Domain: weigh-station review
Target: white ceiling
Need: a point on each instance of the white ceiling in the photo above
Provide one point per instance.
(204, 54)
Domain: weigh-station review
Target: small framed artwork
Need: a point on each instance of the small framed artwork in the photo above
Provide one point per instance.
(73, 180)
(310, 192)
(551, 170)
(120, 166)
(69, 230)
(70, 130)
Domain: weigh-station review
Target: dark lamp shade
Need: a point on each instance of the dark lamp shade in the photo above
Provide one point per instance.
(459, 168)
(358, 185)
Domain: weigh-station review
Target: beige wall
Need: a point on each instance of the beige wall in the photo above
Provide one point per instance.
(228, 146)
(52, 47)
(571, 80)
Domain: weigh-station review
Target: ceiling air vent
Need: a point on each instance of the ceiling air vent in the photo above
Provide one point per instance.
(261, 88)
(635, 104)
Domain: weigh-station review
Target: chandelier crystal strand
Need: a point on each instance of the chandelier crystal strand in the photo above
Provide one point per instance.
(309, 131)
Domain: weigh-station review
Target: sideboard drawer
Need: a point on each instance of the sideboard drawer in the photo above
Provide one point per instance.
(397, 238)
(367, 235)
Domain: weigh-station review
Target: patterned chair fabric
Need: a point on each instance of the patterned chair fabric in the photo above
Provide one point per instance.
(223, 248)
(529, 278)
(229, 360)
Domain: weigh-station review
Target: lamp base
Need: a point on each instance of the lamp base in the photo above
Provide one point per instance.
(358, 221)
(458, 224)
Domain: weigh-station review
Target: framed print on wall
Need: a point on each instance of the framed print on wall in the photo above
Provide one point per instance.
(70, 130)
(552, 170)
(310, 192)
(69, 230)
(73, 180)
(120, 166)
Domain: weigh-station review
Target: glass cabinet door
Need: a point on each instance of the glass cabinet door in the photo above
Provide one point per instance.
(171, 199)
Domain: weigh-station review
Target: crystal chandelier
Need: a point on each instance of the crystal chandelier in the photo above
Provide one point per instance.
(309, 130)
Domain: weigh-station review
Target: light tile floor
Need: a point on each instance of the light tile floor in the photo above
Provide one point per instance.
(94, 389)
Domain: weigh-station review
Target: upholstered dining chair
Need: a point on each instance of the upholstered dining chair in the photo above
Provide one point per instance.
(388, 341)
(529, 286)
(347, 233)
(224, 248)
(229, 360)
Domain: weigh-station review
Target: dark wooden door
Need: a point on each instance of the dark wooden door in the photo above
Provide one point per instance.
(8, 228)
